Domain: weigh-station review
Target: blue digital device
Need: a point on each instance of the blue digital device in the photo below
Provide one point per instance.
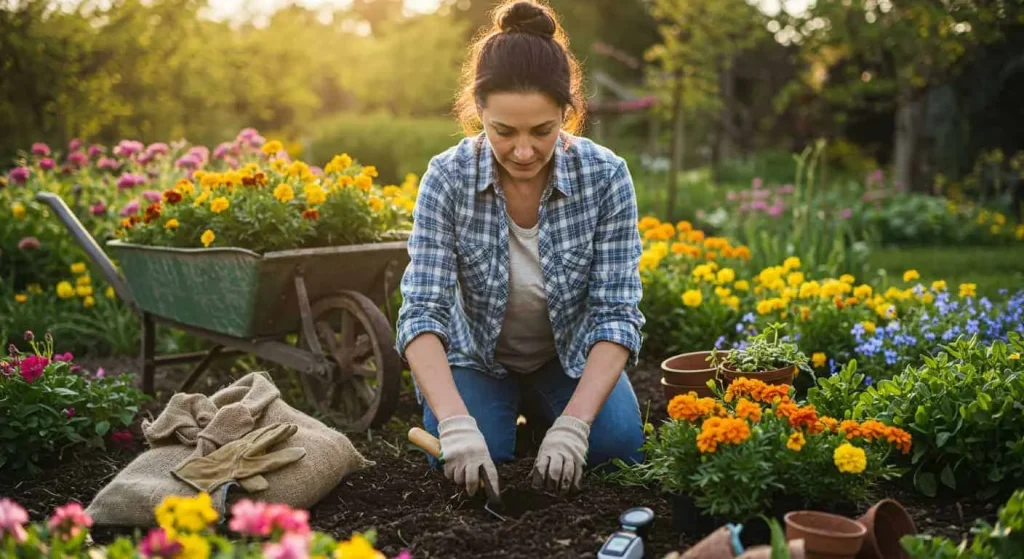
(628, 542)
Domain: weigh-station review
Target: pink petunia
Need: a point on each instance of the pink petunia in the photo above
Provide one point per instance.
(99, 208)
(40, 149)
(156, 544)
(29, 243)
(291, 546)
(69, 520)
(74, 144)
(32, 367)
(18, 175)
(12, 520)
(287, 519)
(47, 164)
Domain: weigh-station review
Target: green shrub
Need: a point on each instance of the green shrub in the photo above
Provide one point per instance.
(963, 408)
(1005, 540)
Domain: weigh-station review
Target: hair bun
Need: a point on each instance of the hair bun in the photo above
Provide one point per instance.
(527, 17)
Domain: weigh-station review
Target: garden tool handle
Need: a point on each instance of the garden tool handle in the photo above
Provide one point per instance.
(425, 441)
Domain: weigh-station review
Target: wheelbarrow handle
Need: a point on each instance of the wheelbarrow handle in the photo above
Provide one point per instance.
(89, 244)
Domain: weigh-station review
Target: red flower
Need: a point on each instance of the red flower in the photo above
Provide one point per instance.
(152, 212)
(32, 367)
(172, 196)
(122, 438)
(311, 213)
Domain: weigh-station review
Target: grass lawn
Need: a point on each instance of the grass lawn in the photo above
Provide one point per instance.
(991, 268)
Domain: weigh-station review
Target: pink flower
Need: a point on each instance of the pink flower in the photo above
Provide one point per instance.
(65, 357)
(108, 163)
(68, 521)
(846, 214)
(156, 544)
(128, 148)
(405, 554)
(250, 519)
(69, 413)
(74, 144)
(775, 210)
(99, 208)
(40, 149)
(78, 159)
(47, 164)
(756, 183)
(100, 373)
(202, 153)
(6, 368)
(18, 175)
(152, 195)
(32, 367)
(158, 148)
(12, 520)
(251, 137)
(288, 520)
(96, 150)
(122, 438)
(222, 150)
(787, 189)
(29, 336)
(291, 546)
(130, 180)
(759, 205)
(731, 196)
(28, 243)
(188, 161)
(130, 209)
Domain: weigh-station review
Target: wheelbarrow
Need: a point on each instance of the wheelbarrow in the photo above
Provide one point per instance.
(248, 303)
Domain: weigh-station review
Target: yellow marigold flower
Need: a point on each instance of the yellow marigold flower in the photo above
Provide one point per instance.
(406, 204)
(78, 268)
(376, 204)
(722, 292)
(764, 306)
(862, 291)
(810, 289)
(831, 288)
(648, 222)
(847, 279)
(692, 298)
(911, 275)
(315, 195)
(885, 310)
(796, 441)
(218, 205)
(363, 183)
(193, 547)
(64, 290)
(733, 302)
(202, 198)
(83, 290)
(18, 210)
(819, 359)
(850, 459)
(369, 171)
(109, 292)
(88, 301)
(83, 280)
(338, 163)
(684, 227)
(795, 279)
(745, 409)
(272, 147)
(939, 285)
(927, 298)
(172, 224)
(791, 263)
(20, 297)
(301, 171)
(391, 191)
(695, 236)
(356, 548)
(208, 237)
(1015, 356)
(284, 193)
(741, 285)
(968, 290)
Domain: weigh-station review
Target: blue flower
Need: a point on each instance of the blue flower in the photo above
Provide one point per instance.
(749, 317)
(720, 342)
(890, 357)
(868, 381)
(739, 327)
(832, 366)
(893, 326)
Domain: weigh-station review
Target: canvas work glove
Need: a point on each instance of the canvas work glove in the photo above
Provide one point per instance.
(242, 460)
(562, 455)
(464, 454)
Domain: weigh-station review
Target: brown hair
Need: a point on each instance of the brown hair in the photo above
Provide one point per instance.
(525, 50)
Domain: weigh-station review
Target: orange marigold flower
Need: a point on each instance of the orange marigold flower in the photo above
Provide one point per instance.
(899, 438)
(152, 212)
(172, 196)
(745, 409)
(733, 430)
(850, 428)
(829, 423)
(873, 429)
(803, 417)
(744, 386)
(311, 213)
(774, 393)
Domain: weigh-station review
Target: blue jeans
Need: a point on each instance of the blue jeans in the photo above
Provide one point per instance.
(617, 431)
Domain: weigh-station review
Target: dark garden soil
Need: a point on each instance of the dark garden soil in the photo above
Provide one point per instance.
(414, 507)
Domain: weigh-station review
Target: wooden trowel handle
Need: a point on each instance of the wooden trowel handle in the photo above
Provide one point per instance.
(425, 441)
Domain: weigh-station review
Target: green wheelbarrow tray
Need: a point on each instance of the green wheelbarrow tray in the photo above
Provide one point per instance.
(240, 293)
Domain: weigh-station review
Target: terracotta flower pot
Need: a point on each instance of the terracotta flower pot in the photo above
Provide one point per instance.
(688, 372)
(886, 523)
(796, 551)
(826, 536)
(785, 375)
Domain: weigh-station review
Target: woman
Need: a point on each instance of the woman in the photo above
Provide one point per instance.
(523, 282)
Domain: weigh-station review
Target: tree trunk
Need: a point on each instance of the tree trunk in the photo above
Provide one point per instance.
(675, 164)
(909, 113)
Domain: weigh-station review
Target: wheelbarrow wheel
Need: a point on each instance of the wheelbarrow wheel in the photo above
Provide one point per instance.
(362, 389)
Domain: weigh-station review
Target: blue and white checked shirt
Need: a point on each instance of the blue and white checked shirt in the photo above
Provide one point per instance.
(456, 284)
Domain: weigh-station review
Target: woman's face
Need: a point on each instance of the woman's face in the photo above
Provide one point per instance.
(523, 130)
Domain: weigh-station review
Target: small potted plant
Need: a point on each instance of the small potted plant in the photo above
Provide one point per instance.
(765, 357)
(688, 372)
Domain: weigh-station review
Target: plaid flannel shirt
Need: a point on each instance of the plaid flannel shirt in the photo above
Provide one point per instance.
(456, 284)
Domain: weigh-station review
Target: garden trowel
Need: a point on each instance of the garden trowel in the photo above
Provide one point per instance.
(428, 443)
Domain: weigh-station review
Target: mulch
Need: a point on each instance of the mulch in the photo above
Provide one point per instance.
(414, 507)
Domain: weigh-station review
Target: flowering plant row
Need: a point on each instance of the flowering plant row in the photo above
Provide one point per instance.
(187, 530)
(739, 451)
(49, 404)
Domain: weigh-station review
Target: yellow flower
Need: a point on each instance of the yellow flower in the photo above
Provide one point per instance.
(356, 548)
(999, 218)
(391, 191)
(345, 181)
(795, 279)
(869, 326)
(184, 187)
(733, 302)
(796, 441)
(968, 290)
(791, 263)
(1019, 232)
(207, 238)
(995, 229)
(218, 205)
(272, 147)
(819, 359)
(21, 297)
(850, 459)
(18, 210)
(109, 292)
(862, 291)
(726, 275)
(648, 222)
(193, 547)
(88, 301)
(741, 285)
(847, 279)
(64, 290)
(911, 275)
(376, 204)
(723, 292)
(78, 268)
(315, 195)
(885, 310)
(810, 289)
(172, 223)
(202, 198)
(83, 280)
(83, 290)
(939, 285)
(284, 193)
(338, 163)
(363, 182)
(35, 288)
(1015, 356)
(369, 171)
(692, 298)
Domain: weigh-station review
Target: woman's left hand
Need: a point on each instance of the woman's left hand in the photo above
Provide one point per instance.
(562, 455)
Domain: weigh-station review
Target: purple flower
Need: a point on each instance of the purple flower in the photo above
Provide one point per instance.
(251, 137)
(78, 159)
(152, 195)
(846, 214)
(40, 149)
(69, 413)
(108, 163)
(18, 175)
(775, 210)
(96, 150)
(188, 161)
(47, 164)
(74, 144)
(28, 243)
(131, 208)
(130, 180)
(128, 148)
(868, 381)
(99, 208)
(158, 148)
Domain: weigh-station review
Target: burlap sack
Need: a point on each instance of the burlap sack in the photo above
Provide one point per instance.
(195, 425)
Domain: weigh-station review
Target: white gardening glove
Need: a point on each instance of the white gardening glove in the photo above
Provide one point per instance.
(464, 452)
(562, 455)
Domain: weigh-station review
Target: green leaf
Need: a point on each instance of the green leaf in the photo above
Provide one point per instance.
(926, 484)
(921, 416)
(102, 428)
(942, 438)
(947, 477)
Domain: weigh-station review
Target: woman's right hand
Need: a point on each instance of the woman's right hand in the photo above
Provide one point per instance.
(464, 452)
